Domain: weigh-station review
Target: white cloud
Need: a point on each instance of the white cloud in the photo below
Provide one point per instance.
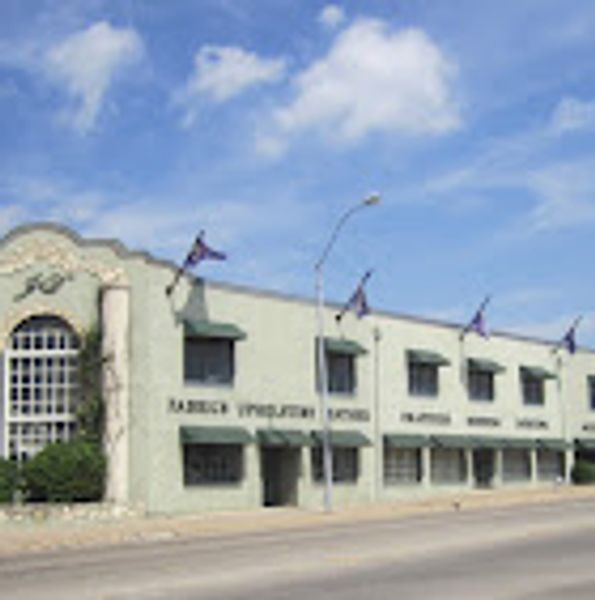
(222, 72)
(573, 114)
(331, 16)
(86, 64)
(373, 80)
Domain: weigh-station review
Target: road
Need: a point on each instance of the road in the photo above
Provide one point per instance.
(540, 551)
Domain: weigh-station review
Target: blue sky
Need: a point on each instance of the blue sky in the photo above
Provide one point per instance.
(262, 121)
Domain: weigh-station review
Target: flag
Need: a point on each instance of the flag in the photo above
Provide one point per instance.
(568, 341)
(478, 323)
(358, 302)
(199, 252)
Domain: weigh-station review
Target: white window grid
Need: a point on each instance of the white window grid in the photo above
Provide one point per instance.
(41, 372)
(402, 465)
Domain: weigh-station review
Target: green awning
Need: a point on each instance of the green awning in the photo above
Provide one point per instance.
(406, 441)
(538, 372)
(343, 346)
(489, 442)
(483, 364)
(452, 441)
(283, 437)
(214, 435)
(343, 439)
(555, 444)
(521, 443)
(585, 444)
(427, 357)
(210, 329)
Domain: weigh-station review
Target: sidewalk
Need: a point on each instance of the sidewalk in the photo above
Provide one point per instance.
(43, 536)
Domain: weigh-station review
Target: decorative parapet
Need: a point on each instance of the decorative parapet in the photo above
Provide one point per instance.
(62, 257)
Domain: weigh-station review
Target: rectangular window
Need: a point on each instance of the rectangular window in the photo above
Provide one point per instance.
(208, 360)
(423, 378)
(402, 466)
(448, 466)
(212, 463)
(516, 464)
(481, 385)
(345, 464)
(340, 372)
(591, 388)
(533, 389)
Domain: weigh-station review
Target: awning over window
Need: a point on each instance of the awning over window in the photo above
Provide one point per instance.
(343, 439)
(210, 329)
(537, 373)
(214, 435)
(489, 442)
(483, 364)
(283, 437)
(521, 443)
(452, 441)
(584, 444)
(406, 441)
(343, 346)
(427, 357)
(555, 444)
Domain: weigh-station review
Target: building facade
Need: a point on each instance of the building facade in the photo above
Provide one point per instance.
(212, 392)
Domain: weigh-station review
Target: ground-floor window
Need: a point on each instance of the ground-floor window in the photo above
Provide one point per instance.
(448, 465)
(212, 463)
(402, 466)
(345, 464)
(516, 464)
(550, 465)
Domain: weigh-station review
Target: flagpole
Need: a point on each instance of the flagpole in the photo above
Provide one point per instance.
(327, 456)
(481, 308)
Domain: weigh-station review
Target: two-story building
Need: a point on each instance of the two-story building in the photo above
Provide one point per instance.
(213, 397)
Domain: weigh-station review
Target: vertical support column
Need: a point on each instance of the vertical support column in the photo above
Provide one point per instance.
(533, 460)
(470, 481)
(426, 467)
(498, 478)
(568, 464)
(115, 319)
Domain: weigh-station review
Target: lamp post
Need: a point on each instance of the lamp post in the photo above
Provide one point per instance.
(327, 457)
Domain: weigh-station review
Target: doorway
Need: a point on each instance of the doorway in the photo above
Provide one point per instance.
(483, 467)
(279, 475)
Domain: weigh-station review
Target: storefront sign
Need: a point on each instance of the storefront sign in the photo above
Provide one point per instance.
(532, 424)
(483, 421)
(435, 418)
(251, 410)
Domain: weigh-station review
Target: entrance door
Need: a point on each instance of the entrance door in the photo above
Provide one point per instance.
(279, 476)
(483, 467)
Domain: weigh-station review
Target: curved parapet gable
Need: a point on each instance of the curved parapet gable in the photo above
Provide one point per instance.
(61, 252)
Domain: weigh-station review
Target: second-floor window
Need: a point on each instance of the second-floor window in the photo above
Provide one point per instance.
(341, 373)
(208, 360)
(591, 390)
(423, 372)
(481, 379)
(533, 385)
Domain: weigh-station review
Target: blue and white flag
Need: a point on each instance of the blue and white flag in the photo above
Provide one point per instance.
(568, 341)
(478, 323)
(358, 302)
(199, 252)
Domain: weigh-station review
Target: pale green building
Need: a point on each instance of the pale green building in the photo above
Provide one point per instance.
(212, 398)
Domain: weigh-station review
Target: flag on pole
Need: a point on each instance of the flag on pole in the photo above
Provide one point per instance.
(358, 302)
(198, 252)
(478, 322)
(568, 341)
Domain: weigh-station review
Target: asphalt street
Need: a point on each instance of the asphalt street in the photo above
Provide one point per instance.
(539, 551)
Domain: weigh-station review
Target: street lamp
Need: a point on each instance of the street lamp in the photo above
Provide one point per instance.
(327, 456)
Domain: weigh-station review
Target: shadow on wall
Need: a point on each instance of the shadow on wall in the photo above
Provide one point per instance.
(193, 306)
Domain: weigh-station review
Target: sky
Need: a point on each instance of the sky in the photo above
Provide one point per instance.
(262, 122)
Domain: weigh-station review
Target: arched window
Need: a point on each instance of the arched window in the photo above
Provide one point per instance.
(41, 377)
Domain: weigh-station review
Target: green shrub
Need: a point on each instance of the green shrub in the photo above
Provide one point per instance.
(9, 480)
(65, 472)
(583, 472)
